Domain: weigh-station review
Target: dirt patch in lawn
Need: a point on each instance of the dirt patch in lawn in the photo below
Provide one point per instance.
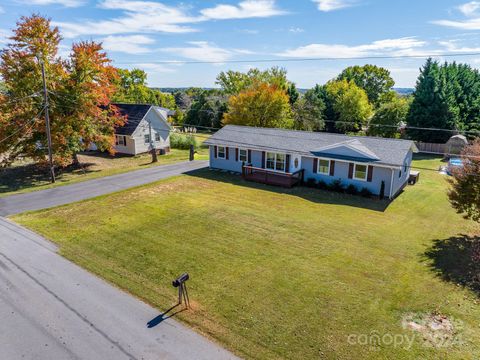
(436, 330)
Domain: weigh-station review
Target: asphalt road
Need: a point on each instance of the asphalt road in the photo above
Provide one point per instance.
(42, 199)
(53, 309)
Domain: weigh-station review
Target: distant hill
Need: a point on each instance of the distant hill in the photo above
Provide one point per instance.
(404, 91)
(401, 91)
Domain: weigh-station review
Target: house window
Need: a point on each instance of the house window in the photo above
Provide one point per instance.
(275, 161)
(146, 138)
(157, 137)
(221, 152)
(120, 140)
(242, 155)
(323, 166)
(360, 172)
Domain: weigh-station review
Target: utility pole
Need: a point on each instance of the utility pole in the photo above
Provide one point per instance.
(47, 121)
(152, 144)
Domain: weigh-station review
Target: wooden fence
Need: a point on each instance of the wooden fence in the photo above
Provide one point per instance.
(431, 147)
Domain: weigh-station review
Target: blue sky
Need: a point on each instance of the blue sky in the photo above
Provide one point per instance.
(143, 33)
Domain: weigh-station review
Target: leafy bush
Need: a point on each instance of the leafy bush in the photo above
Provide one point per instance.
(351, 189)
(337, 186)
(322, 185)
(365, 192)
(182, 141)
(311, 182)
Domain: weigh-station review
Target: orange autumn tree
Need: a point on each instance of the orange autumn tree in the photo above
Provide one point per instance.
(261, 105)
(79, 88)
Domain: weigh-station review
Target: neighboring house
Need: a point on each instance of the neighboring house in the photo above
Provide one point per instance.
(284, 157)
(145, 125)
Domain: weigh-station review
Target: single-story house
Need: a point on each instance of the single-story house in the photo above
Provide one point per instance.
(145, 125)
(285, 157)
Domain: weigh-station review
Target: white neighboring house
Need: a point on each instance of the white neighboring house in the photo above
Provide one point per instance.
(146, 125)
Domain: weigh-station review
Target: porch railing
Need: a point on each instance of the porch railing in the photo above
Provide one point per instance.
(266, 176)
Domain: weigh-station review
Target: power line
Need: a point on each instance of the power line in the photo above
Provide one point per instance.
(13, 100)
(23, 126)
(380, 57)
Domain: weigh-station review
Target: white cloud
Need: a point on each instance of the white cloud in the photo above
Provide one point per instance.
(143, 16)
(472, 22)
(331, 5)
(66, 3)
(244, 9)
(296, 30)
(401, 46)
(201, 51)
(4, 35)
(139, 16)
(154, 68)
(452, 46)
(470, 8)
(205, 51)
(132, 44)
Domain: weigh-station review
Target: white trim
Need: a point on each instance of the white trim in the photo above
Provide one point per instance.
(246, 154)
(275, 161)
(355, 170)
(350, 144)
(224, 152)
(391, 184)
(318, 165)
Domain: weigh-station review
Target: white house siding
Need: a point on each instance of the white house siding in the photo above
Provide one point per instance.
(341, 172)
(158, 126)
(128, 149)
(400, 181)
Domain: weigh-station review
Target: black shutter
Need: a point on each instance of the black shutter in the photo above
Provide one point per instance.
(350, 170)
(226, 153)
(287, 163)
(215, 152)
(236, 154)
(263, 159)
(332, 167)
(249, 156)
(315, 165)
(370, 173)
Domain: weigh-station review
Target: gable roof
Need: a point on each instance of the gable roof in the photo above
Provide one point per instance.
(134, 114)
(390, 152)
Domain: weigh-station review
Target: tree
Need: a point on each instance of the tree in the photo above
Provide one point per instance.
(293, 94)
(80, 89)
(350, 106)
(309, 110)
(206, 110)
(389, 117)
(376, 81)
(446, 97)
(234, 82)
(464, 193)
(262, 105)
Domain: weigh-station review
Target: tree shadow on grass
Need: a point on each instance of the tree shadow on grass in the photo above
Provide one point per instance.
(452, 259)
(31, 175)
(313, 195)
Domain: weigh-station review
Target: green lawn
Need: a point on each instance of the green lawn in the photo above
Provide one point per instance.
(25, 176)
(283, 273)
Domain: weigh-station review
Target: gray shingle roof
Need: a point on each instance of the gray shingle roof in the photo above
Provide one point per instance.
(134, 113)
(387, 151)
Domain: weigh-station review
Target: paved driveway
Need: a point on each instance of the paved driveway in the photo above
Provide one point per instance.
(36, 200)
(53, 309)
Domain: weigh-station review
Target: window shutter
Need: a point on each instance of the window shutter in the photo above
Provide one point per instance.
(236, 154)
(226, 153)
(350, 170)
(215, 152)
(370, 174)
(332, 167)
(249, 156)
(315, 165)
(263, 159)
(287, 163)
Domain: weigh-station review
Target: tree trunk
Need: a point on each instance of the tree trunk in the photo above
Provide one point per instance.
(154, 156)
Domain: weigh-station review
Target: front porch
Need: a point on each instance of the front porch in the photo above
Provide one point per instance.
(270, 177)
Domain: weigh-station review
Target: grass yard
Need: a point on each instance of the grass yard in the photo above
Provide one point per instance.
(283, 273)
(25, 176)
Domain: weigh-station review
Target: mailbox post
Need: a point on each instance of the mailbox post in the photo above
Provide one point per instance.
(179, 283)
